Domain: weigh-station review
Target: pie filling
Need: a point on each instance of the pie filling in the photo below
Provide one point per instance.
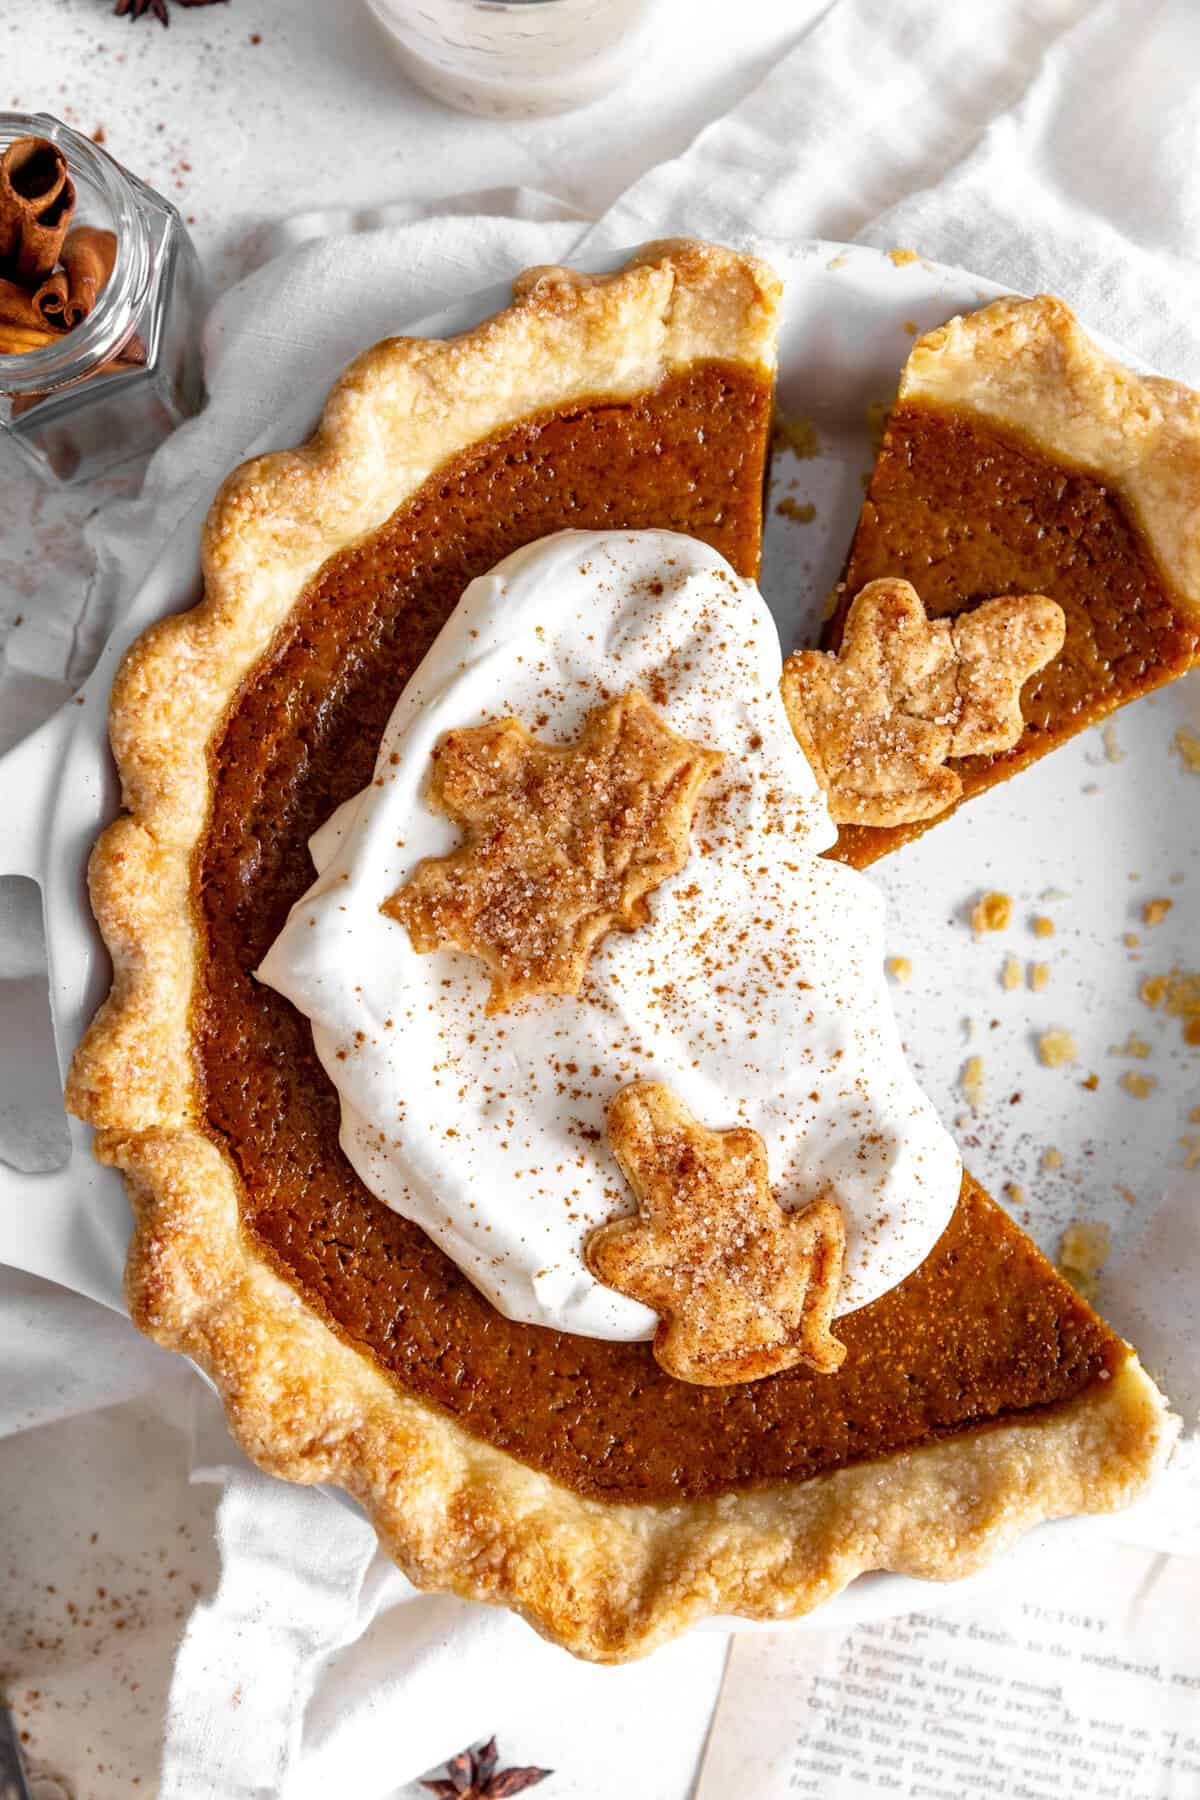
(967, 511)
(982, 1329)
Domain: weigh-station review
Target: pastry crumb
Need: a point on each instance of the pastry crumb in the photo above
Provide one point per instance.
(1042, 926)
(1112, 748)
(1194, 1116)
(1133, 1046)
(1050, 894)
(802, 512)
(1039, 976)
(1137, 1084)
(1014, 1193)
(1187, 745)
(797, 435)
(911, 328)
(1052, 1158)
(1155, 911)
(900, 969)
(1010, 974)
(1083, 1250)
(1090, 1082)
(1178, 993)
(1056, 1047)
(1131, 940)
(902, 257)
(971, 1082)
(1190, 1145)
(991, 912)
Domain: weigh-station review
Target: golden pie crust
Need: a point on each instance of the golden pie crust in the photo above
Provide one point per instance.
(609, 1581)
(1020, 457)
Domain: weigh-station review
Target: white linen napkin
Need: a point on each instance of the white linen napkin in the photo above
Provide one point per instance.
(1045, 143)
(1048, 144)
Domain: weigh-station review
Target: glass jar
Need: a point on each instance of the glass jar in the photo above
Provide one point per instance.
(117, 384)
(516, 59)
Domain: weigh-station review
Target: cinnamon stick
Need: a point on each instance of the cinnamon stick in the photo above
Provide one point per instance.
(37, 198)
(19, 307)
(50, 299)
(15, 340)
(88, 257)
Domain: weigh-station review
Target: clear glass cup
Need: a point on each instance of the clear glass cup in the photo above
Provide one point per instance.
(516, 59)
(117, 384)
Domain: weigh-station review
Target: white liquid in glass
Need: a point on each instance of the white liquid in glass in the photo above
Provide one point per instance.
(515, 58)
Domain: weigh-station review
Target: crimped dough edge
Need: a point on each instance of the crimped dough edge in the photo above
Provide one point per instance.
(608, 1582)
(1030, 365)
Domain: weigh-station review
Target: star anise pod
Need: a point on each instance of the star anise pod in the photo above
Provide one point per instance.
(473, 1775)
(135, 9)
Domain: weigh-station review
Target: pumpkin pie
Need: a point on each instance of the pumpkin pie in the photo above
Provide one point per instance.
(1020, 459)
(578, 1480)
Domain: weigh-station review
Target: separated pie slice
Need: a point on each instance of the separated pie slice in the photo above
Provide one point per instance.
(1021, 460)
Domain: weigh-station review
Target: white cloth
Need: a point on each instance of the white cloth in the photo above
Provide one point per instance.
(1044, 143)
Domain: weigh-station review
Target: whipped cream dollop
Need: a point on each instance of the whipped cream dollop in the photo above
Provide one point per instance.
(755, 990)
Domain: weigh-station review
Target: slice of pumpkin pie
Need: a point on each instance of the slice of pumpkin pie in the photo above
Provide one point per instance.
(1020, 461)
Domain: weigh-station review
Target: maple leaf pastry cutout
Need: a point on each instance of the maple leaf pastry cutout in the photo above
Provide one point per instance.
(473, 1775)
(878, 720)
(561, 843)
(742, 1288)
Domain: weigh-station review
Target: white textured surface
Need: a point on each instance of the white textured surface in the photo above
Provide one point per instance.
(1048, 143)
(755, 990)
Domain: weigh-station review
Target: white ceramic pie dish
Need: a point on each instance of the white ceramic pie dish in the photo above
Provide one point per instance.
(849, 316)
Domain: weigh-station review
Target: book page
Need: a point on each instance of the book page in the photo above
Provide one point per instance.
(1082, 1681)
